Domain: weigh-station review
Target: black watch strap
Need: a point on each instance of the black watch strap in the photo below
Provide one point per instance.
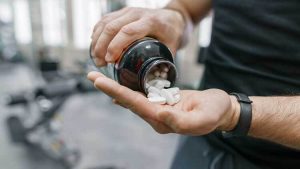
(245, 118)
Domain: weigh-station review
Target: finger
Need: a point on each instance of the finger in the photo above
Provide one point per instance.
(118, 103)
(110, 16)
(127, 35)
(98, 28)
(109, 32)
(92, 76)
(135, 101)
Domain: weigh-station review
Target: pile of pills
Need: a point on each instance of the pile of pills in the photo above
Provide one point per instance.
(158, 87)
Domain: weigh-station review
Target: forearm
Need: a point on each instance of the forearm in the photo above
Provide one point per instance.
(193, 10)
(276, 119)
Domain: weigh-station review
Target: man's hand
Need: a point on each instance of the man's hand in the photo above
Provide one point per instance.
(197, 113)
(116, 30)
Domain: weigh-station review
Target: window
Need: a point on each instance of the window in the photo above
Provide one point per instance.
(5, 13)
(85, 16)
(54, 22)
(22, 22)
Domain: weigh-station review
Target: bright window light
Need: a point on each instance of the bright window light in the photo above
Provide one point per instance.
(85, 16)
(22, 22)
(205, 29)
(5, 12)
(54, 23)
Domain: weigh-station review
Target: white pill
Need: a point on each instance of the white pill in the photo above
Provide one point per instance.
(166, 69)
(159, 84)
(155, 81)
(177, 98)
(168, 95)
(167, 83)
(152, 82)
(152, 89)
(174, 90)
(158, 100)
(157, 73)
(147, 85)
(164, 75)
(153, 95)
(150, 77)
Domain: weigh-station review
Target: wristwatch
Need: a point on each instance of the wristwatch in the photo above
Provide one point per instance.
(244, 122)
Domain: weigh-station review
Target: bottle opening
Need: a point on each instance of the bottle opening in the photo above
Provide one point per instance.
(150, 69)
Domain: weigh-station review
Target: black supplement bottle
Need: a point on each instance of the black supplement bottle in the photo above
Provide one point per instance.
(137, 61)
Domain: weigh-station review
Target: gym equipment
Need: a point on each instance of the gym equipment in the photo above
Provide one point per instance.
(41, 130)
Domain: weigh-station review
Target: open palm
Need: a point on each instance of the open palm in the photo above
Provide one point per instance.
(197, 113)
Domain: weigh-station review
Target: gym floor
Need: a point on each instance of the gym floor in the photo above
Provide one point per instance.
(107, 135)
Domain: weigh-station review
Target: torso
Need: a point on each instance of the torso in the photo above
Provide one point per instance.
(255, 49)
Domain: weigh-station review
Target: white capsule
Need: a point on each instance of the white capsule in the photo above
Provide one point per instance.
(153, 95)
(164, 75)
(168, 95)
(158, 100)
(157, 73)
(152, 89)
(174, 90)
(167, 83)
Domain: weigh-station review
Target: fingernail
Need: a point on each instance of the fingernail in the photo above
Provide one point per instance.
(98, 62)
(108, 57)
(93, 75)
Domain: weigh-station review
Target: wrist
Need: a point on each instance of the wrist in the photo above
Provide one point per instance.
(185, 20)
(232, 115)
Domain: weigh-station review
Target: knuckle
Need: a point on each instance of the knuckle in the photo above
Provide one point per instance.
(105, 16)
(110, 29)
(102, 23)
(153, 18)
(129, 30)
(112, 50)
(136, 101)
(120, 90)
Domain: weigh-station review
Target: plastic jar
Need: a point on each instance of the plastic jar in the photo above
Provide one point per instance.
(137, 61)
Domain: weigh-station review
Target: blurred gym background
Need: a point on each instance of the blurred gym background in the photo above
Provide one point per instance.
(50, 115)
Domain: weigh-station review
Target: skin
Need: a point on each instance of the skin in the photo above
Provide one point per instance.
(201, 112)
(198, 112)
(116, 30)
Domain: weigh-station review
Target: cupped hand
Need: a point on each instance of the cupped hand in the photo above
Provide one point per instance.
(116, 30)
(197, 113)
